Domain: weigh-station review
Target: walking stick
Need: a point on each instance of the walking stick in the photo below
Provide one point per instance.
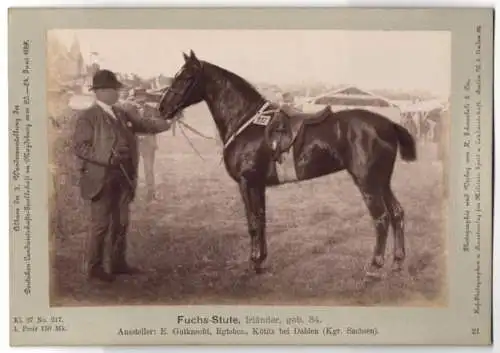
(129, 181)
(122, 169)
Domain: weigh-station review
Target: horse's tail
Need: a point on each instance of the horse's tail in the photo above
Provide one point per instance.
(407, 144)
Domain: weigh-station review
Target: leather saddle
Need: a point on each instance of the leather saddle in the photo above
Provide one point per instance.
(288, 125)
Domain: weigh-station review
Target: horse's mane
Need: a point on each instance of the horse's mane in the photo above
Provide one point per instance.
(243, 85)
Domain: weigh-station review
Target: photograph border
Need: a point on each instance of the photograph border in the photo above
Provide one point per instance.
(429, 326)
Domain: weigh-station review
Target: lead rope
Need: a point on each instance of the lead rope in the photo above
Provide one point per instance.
(192, 129)
(190, 143)
(189, 127)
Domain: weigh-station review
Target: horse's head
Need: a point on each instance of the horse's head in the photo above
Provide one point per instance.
(186, 88)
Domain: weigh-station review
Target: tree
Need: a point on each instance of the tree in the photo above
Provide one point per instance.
(57, 62)
(76, 57)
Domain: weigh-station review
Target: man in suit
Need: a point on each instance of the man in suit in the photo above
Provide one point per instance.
(106, 142)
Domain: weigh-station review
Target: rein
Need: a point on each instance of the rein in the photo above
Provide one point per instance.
(177, 118)
(192, 129)
(261, 117)
(190, 143)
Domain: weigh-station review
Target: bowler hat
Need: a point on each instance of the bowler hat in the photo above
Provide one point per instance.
(105, 79)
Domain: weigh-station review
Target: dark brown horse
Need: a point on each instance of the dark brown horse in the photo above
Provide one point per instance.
(257, 132)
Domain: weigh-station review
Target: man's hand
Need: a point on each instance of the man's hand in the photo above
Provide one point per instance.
(148, 126)
(162, 125)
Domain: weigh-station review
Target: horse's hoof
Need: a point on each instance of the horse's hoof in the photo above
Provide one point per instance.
(259, 270)
(255, 268)
(373, 272)
(373, 275)
(397, 266)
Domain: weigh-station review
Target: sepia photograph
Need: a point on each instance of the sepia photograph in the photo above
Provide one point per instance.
(200, 176)
(269, 167)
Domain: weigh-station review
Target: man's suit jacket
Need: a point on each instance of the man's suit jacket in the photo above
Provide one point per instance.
(147, 142)
(95, 138)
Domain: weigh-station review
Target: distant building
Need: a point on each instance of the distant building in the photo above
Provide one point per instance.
(352, 97)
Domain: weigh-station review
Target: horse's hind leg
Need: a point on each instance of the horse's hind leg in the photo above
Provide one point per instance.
(374, 199)
(398, 228)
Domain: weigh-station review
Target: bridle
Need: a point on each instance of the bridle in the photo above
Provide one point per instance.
(261, 117)
(191, 86)
(178, 117)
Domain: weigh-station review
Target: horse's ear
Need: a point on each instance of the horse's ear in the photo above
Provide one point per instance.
(194, 59)
(186, 58)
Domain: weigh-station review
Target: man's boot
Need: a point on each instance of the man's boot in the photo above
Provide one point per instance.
(98, 273)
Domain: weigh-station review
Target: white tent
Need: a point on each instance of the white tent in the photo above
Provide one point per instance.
(352, 97)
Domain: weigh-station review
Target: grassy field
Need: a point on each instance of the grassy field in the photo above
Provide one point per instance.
(194, 247)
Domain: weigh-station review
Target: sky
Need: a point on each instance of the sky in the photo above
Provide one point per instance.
(400, 60)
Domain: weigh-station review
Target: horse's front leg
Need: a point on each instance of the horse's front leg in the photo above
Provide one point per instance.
(255, 207)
